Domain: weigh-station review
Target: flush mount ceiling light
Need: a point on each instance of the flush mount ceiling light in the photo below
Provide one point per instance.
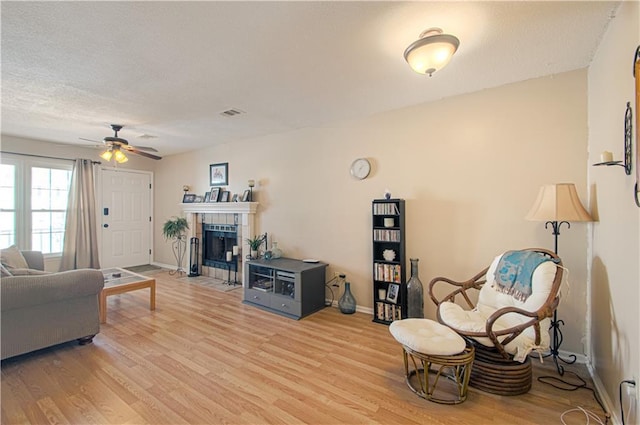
(431, 52)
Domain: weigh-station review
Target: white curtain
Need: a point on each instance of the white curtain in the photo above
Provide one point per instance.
(80, 249)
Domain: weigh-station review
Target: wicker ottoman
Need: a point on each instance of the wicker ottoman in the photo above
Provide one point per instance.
(435, 348)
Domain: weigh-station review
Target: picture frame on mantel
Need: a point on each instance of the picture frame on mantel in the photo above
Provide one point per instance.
(189, 198)
(219, 174)
(215, 194)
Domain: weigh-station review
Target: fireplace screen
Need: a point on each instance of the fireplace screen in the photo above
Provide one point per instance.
(218, 239)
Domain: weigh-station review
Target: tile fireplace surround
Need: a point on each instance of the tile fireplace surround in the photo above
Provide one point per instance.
(240, 213)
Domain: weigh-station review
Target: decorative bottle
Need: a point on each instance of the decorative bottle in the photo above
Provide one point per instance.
(415, 293)
(347, 302)
(275, 251)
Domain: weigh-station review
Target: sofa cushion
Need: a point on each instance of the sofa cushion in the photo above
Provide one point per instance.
(12, 258)
(27, 272)
(4, 272)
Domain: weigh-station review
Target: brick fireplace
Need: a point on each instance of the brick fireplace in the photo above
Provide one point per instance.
(222, 219)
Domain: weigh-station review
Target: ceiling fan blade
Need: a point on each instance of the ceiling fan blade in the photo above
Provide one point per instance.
(148, 155)
(141, 148)
(89, 140)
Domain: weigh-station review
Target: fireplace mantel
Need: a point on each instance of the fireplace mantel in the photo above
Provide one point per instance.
(245, 221)
(220, 207)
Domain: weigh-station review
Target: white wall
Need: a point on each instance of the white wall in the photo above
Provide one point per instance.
(469, 167)
(615, 296)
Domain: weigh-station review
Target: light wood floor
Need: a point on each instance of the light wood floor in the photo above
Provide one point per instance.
(203, 357)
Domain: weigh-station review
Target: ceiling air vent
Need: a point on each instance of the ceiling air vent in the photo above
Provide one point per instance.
(147, 136)
(231, 112)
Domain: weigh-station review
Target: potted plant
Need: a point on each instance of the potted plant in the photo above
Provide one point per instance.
(255, 243)
(175, 228)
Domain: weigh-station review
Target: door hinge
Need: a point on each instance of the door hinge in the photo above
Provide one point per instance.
(149, 218)
(149, 185)
(149, 252)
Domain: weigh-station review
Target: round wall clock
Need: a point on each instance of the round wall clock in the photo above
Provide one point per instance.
(360, 168)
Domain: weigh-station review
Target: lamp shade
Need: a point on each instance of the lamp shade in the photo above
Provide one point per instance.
(120, 157)
(431, 52)
(558, 202)
(106, 155)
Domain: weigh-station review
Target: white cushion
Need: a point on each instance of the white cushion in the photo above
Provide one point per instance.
(427, 337)
(541, 284)
(12, 258)
(490, 300)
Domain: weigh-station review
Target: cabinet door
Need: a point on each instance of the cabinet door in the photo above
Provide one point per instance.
(260, 278)
(284, 285)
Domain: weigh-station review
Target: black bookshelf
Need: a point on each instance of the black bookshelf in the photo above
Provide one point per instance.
(389, 262)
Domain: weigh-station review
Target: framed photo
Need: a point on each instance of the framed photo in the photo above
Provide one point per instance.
(214, 194)
(392, 293)
(189, 198)
(207, 196)
(199, 199)
(224, 196)
(219, 174)
(235, 198)
(245, 195)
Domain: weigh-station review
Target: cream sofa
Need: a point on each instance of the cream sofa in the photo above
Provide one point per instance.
(40, 310)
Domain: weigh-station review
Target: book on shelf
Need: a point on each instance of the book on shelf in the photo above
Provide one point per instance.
(387, 272)
(258, 288)
(386, 235)
(264, 285)
(386, 208)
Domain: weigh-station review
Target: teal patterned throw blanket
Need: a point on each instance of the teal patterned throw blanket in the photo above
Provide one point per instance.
(514, 272)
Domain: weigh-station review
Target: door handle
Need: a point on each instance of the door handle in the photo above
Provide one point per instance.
(105, 225)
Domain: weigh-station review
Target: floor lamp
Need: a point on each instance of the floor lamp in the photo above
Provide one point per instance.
(558, 204)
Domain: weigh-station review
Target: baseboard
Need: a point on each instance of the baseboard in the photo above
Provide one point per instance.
(359, 308)
(164, 266)
(580, 358)
(608, 404)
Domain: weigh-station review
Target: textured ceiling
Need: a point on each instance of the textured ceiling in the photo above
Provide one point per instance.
(168, 69)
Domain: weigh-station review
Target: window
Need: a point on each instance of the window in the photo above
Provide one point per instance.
(33, 202)
(7, 205)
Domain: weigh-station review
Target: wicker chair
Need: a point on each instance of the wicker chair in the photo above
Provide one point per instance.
(502, 328)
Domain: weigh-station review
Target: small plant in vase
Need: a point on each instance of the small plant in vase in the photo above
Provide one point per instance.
(175, 228)
(255, 243)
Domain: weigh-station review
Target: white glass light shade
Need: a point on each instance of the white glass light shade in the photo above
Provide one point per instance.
(558, 202)
(120, 157)
(106, 155)
(431, 52)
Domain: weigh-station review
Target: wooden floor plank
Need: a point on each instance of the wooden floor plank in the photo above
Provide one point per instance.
(204, 357)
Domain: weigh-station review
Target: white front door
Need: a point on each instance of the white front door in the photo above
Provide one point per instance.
(126, 218)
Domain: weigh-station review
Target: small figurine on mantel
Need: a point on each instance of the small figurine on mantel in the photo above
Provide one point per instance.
(387, 194)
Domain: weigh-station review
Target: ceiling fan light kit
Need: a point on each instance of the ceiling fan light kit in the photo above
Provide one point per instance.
(431, 52)
(116, 144)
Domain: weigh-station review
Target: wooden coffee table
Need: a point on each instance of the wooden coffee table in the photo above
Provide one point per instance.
(119, 281)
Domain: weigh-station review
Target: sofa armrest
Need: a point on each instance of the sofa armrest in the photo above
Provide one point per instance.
(35, 259)
(24, 291)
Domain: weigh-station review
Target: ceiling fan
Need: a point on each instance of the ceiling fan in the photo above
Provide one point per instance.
(115, 145)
